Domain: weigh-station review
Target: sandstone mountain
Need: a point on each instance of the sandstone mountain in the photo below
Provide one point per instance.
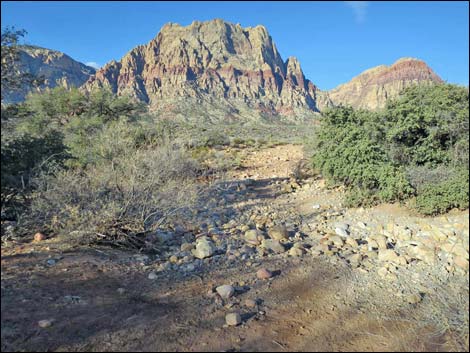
(216, 70)
(372, 88)
(211, 63)
(58, 69)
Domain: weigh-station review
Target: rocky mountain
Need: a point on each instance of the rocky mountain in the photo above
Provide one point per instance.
(58, 69)
(207, 63)
(372, 88)
(216, 70)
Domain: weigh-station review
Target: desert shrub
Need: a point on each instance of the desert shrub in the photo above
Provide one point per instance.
(71, 110)
(61, 127)
(442, 196)
(357, 196)
(215, 138)
(346, 153)
(422, 176)
(427, 121)
(410, 148)
(21, 159)
(124, 197)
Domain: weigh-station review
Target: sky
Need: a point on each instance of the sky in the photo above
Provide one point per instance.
(334, 41)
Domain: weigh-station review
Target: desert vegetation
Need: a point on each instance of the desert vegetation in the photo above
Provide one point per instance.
(415, 150)
(92, 163)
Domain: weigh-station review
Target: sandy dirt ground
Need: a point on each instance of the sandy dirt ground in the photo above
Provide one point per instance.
(100, 299)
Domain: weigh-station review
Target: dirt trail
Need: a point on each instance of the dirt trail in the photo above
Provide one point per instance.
(103, 300)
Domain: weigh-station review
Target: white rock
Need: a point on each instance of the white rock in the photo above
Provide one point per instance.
(342, 232)
(204, 248)
(226, 291)
(233, 319)
(152, 275)
(45, 323)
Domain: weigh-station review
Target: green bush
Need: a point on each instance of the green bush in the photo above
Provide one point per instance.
(443, 196)
(23, 155)
(407, 149)
(347, 153)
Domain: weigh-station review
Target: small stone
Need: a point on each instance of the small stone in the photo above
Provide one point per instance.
(39, 236)
(152, 275)
(250, 303)
(233, 319)
(51, 262)
(263, 273)
(225, 291)
(187, 247)
(190, 267)
(342, 232)
(423, 253)
(362, 225)
(204, 248)
(383, 272)
(254, 236)
(273, 245)
(355, 259)
(278, 232)
(459, 250)
(381, 241)
(316, 207)
(173, 259)
(342, 225)
(45, 323)
(388, 255)
(164, 237)
(414, 298)
(351, 242)
(296, 252)
(336, 240)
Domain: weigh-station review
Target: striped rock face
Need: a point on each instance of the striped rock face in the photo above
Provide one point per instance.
(372, 88)
(207, 62)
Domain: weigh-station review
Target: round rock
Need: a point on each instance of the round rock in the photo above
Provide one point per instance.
(263, 273)
(152, 275)
(226, 291)
(278, 232)
(39, 236)
(253, 236)
(45, 323)
(204, 248)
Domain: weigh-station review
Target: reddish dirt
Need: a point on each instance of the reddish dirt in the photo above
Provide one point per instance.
(305, 307)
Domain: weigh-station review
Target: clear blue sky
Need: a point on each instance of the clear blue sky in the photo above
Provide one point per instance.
(334, 41)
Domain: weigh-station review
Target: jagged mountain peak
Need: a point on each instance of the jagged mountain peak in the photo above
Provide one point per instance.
(211, 60)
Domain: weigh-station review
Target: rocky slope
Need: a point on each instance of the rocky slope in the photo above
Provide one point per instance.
(58, 69)
(213, 61)
(372, 88)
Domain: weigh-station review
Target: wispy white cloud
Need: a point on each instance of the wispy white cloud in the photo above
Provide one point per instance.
(93, 64)
(359, 8)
